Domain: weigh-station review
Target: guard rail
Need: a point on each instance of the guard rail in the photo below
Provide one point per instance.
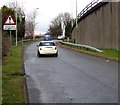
(83, 46)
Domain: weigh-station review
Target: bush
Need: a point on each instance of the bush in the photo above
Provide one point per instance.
(5, 44)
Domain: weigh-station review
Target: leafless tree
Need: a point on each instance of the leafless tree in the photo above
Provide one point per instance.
(55, 28)
(31, 23)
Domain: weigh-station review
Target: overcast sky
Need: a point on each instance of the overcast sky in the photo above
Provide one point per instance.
(48, 9)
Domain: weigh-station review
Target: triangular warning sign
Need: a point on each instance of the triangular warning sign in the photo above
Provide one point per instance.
(9, 21)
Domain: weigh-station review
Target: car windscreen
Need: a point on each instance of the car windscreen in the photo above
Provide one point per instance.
(47, 44)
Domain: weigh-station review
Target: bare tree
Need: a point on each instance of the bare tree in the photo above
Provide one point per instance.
(29, 19)
(55, 28)
(31, 23)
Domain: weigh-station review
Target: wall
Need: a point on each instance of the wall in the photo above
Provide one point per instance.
(99, 28)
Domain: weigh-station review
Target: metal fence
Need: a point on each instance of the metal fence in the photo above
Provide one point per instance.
(83, 46)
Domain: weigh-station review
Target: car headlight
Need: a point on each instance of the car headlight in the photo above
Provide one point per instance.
(55, 48)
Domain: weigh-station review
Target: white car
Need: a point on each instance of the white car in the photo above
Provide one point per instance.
(60, 37)
(47, 48)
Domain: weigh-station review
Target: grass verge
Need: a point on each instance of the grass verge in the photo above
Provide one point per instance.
(12, 77)
(107, 53)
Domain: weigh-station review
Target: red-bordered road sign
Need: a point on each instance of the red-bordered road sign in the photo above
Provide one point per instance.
(9, 20)
(9, 23)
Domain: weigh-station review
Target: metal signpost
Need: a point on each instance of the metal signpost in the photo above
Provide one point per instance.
(9, 24)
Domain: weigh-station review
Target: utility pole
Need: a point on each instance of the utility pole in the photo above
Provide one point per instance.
(76, 15)
(76, 25)
(34, 22)
(10, 38)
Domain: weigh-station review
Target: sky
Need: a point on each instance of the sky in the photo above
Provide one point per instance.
(47, 10)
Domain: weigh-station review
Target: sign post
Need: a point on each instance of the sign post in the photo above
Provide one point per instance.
(9, 24)
(10, 38)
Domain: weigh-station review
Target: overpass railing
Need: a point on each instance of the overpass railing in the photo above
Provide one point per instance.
(88, 7)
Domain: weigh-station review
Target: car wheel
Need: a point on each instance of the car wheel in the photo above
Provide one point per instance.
(38, 54)
(56, 55)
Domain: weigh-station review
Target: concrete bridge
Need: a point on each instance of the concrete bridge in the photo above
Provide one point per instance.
(98, 25)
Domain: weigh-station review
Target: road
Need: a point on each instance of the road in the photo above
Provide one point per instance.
(72, 77)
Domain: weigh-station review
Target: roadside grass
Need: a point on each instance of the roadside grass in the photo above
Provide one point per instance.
(111, 53)
(12, 77)
(107, 53)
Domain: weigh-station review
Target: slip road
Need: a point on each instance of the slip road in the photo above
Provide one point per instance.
(72, 77)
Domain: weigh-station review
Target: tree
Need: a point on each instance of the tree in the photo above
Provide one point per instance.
(30, 23)
(21, 23)
(55, 28)
(5, 34)
(20, 19)
(5, 12)
(6, 44)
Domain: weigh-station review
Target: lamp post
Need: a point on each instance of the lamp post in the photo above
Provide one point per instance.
(76, 16)
(76, 24)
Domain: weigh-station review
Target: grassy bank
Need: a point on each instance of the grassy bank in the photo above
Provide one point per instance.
(107, 53)
(12, 77)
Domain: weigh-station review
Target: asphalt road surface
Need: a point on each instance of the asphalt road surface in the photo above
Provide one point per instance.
(72, 77)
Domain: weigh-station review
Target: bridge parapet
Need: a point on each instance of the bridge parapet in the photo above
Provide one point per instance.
(91, 7)
(88, 7)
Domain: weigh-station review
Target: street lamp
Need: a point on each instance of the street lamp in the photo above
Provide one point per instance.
(76, 16)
